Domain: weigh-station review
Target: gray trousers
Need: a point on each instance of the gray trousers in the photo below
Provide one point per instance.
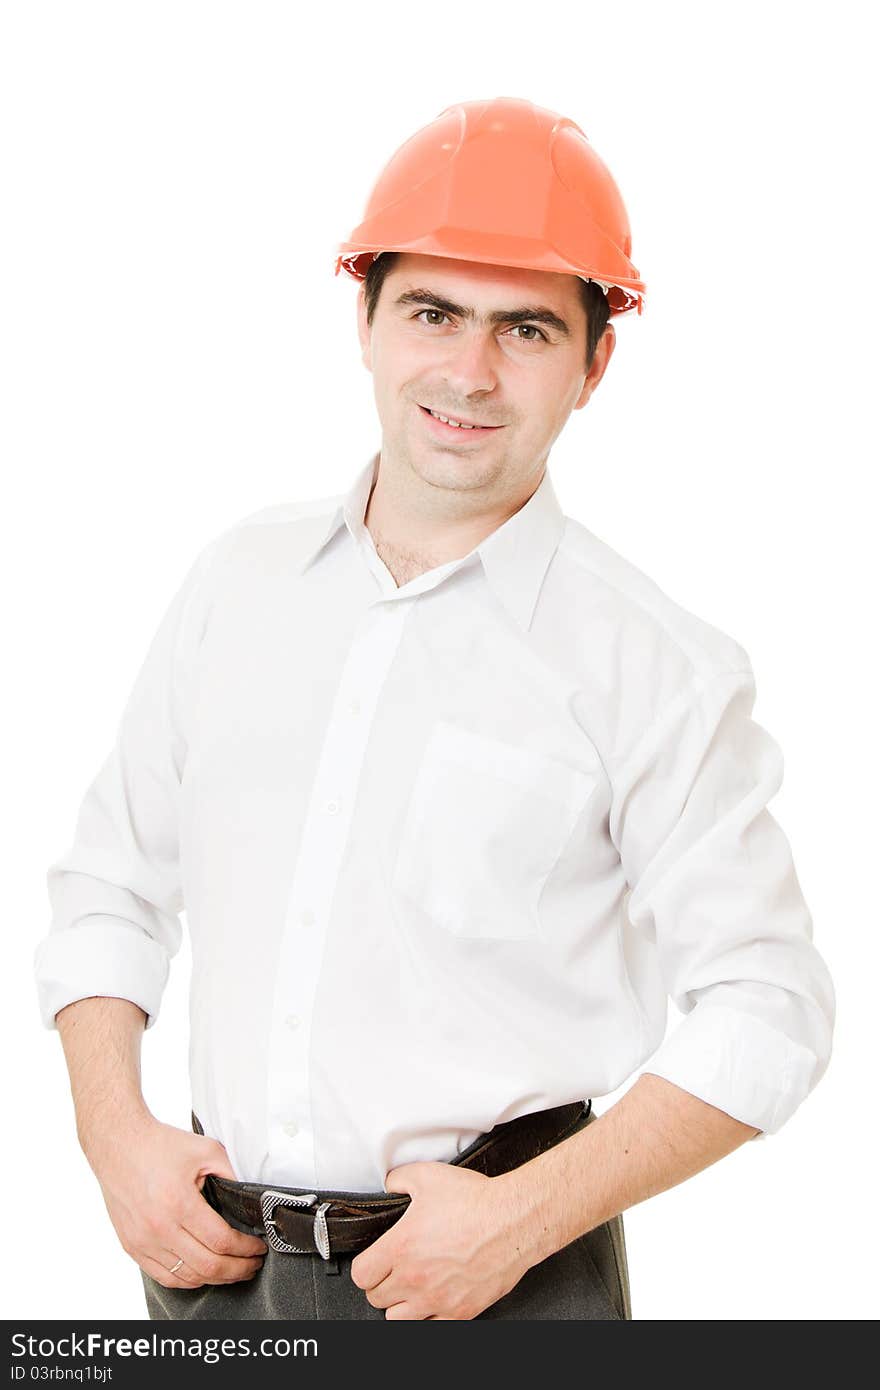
(588, 1278)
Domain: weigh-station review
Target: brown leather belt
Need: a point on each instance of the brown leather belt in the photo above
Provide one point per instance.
(297, 1221)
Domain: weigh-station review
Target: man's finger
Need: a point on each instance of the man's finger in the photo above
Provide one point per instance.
(206, 1264)
(384, 1294)
(403, 1312)
(208, 1227)
(372, 1265)
(215, 1159)
(182, 1278)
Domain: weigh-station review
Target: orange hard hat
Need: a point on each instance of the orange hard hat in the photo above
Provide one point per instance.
(507, 183)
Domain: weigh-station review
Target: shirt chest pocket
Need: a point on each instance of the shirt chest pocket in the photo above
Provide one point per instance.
(484, 829)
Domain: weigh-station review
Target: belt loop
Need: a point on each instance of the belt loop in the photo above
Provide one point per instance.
(331, 1265)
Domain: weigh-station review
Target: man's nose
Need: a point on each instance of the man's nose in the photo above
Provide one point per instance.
(471, 364)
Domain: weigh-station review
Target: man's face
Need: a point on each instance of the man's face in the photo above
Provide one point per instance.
(487, 344)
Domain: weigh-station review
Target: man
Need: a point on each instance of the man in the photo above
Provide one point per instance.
(455, 797)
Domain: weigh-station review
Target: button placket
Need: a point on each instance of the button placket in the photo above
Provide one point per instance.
(313, 885)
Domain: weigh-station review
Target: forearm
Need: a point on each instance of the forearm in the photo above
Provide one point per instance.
(653, 1138)
(101, 1038)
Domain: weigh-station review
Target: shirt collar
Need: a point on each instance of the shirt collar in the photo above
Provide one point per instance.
(515, 556)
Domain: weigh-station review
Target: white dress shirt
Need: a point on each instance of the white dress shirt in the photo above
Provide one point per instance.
(444, 849)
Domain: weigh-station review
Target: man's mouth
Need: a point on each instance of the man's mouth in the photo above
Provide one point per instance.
(459, 423)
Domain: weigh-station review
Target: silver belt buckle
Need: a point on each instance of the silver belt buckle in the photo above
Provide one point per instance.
(270, 1199)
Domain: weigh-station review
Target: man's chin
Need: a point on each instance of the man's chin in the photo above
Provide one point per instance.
(447, 469)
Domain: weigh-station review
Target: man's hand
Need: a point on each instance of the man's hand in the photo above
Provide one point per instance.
(151, 1176)
(452, 1253)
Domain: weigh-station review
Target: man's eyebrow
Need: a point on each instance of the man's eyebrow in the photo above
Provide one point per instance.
(532, 313)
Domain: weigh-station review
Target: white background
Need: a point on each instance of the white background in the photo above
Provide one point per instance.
(176, 353)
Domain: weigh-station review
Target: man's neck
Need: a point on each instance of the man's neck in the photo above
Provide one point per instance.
(409, 552)
(404, 565)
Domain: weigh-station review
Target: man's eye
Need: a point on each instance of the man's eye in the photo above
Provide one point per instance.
(533, 328)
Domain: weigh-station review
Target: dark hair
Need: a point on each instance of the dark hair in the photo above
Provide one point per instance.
(592, 297)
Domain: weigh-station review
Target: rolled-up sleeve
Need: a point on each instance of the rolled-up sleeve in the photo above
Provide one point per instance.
(115, 894)
(713, 884)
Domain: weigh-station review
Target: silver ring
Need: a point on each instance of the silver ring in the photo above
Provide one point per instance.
(176, 1267)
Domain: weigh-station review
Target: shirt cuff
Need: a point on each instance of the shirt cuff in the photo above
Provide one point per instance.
(99, 956)
(738, 1063)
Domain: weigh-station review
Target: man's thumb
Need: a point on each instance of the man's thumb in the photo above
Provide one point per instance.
(215, 1160)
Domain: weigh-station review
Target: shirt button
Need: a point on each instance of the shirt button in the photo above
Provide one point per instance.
(355, 707)
(332, 807)
(307, 917)
(292, 1021)
(290, 1128)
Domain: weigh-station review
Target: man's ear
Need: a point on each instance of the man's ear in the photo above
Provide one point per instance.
(601, 358)
(363, 328)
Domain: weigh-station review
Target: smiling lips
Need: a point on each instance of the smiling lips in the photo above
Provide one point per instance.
(458, 421)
